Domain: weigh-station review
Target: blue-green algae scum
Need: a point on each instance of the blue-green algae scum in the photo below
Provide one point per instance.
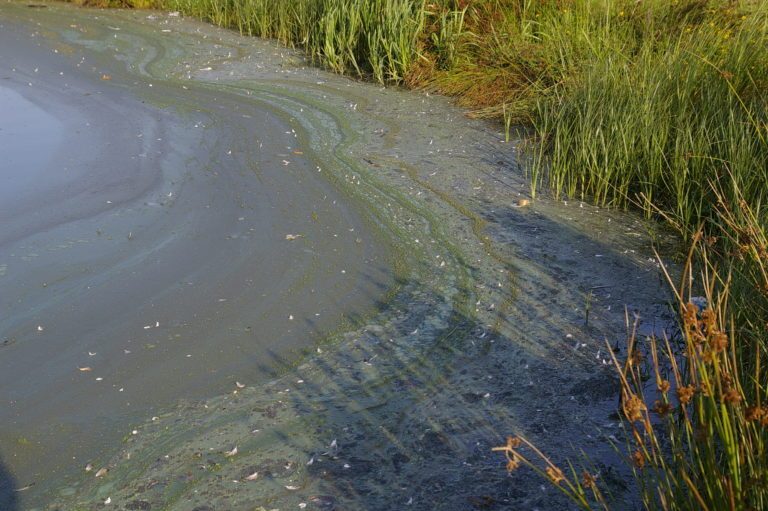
(232, 281)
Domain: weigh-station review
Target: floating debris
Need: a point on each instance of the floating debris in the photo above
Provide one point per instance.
(323, 501)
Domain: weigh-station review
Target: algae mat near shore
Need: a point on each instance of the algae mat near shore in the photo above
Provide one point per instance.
(159, 243)
(479, 332)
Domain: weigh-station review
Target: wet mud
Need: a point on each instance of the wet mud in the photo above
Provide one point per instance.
(450, 316)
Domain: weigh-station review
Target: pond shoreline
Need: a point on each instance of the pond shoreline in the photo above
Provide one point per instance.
(483, 336)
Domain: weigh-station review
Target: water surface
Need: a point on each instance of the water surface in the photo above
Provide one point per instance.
(143, 250)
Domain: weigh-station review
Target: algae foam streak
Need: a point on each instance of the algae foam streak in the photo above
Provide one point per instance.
(145, 252)
(245, 283)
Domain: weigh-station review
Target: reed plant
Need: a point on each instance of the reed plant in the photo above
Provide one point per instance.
(695, 407)
(374, 39)
(657, 120)
(631, 102)
(667, 109)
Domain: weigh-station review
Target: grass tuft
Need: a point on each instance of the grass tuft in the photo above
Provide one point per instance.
(695, 408)
(374, 39)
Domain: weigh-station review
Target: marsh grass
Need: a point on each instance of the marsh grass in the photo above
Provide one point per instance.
(660, 119)
(373, 39)
(632, 102)
(671, 116)
(696, 415)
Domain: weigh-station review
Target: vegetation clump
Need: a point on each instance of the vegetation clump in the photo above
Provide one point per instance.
(695, 407)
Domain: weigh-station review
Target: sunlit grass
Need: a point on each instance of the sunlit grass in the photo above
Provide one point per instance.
(665, 107)
(662, 116)
(364, 38)
(631, 102)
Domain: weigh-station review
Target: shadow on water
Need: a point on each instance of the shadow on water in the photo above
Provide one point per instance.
(419, 431)
(405, 411)
(8, 495)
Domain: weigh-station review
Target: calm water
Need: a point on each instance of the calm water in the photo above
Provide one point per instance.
(143, 251)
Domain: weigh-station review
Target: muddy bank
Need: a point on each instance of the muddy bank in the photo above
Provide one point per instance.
(483, 332)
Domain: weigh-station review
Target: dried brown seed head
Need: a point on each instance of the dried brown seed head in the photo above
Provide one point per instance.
(634, 408)
(555, 475)
(754, 413)
(709, 319)
(513, 463)
(731, 395)
(662, 409)
(718, 341)
(638, 458)
(690, 311)
(587, 479)
(684, 394)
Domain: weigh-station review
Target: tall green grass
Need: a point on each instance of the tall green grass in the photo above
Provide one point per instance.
(632, 102)
(662, 105)
(668, 103)
(367, 38)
